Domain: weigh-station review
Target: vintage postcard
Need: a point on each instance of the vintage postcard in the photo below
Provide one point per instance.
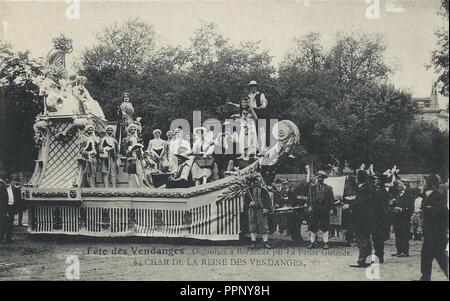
(230, 140)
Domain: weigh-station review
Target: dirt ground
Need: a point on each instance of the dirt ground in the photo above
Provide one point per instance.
(52, 258)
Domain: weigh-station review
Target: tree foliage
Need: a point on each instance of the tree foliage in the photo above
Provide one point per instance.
(340, 97)
(440, 55)
(342, 101)
(20, 104)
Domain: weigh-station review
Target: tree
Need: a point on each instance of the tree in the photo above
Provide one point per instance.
(174, 81)
(126, 47)
(20, 104)
(116, 63)
(357, 60)
(440, 55)
(341, 101)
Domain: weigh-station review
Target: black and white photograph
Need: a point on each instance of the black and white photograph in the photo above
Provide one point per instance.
(224, 140)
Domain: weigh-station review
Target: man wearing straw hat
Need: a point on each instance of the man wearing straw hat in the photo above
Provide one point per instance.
(320, 205)
(257, 99)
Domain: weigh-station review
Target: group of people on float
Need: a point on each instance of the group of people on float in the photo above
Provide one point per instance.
(209, 157)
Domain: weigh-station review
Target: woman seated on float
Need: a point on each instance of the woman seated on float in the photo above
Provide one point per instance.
(157, 150)
(203, 149)
(91, 106)
(181, 178)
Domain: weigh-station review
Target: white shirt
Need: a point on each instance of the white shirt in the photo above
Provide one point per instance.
(263, 99)
(177, 143)
(10, 195)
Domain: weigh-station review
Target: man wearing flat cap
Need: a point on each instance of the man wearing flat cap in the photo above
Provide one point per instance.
(320, 205)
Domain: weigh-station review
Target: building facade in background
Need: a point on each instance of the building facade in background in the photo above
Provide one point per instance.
(431, 110)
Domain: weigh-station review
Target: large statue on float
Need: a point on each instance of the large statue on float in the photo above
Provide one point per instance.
(65, 95)
(81, 184)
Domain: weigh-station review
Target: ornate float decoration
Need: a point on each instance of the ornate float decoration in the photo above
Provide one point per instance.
(59, 203)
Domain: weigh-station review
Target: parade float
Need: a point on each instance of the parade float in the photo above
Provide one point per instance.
(59, 202)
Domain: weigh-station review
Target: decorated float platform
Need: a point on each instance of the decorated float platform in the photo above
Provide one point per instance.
(59, 204)
(59, 201)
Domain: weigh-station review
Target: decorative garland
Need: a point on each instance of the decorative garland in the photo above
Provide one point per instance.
(49, 194)
(154, 194)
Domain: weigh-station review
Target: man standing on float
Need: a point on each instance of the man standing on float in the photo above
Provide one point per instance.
(258, 102)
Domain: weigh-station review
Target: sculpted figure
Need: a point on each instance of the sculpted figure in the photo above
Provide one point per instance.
(90, 105)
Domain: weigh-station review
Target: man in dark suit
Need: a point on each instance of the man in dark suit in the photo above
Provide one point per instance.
(403, 208)
(435, 228)
(320, 206)
(19, 202)
(362, 212)
(8, 197)
(381, 221)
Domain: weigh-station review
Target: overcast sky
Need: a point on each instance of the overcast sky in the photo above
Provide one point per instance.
(407, 26)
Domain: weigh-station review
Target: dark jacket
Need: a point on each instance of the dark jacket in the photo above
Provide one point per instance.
(362, 209)
(327, 203)
(282, 198)
(406, 202)
(435, 212)
(261, 196)
(382, 217)
(4, 207)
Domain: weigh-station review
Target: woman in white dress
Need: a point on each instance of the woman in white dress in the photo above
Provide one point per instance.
(157, 149)
(91, 106)
(203, 148)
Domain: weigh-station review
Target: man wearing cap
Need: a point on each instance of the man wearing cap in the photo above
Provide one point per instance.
(259, 204)
(320, 206)
(8, 202)
(381, 218)
(435, 228)
(88, 156)
(109, 154)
